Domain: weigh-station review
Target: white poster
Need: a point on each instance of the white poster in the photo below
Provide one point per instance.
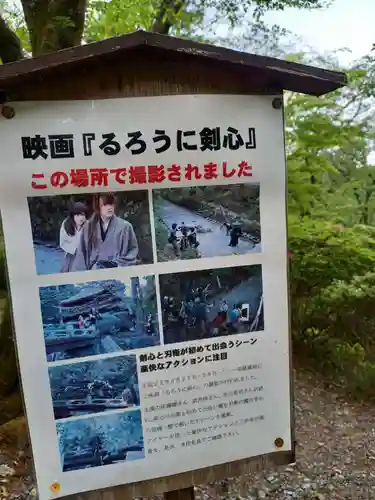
(146, 248)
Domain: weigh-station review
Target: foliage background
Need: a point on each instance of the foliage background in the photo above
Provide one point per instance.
(331, 183)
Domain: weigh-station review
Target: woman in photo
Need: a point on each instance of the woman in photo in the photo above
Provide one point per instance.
(70, 233)
(107, 240)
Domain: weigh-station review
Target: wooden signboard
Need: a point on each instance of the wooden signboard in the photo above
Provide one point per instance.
(143, 201)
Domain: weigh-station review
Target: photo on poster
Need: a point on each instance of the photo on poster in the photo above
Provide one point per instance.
(94, 386)
(206, 221)
(99, 317)
(100, 440)
(211, 303)
(90, 231)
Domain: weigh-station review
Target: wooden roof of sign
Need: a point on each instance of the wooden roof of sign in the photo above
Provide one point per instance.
(271, 74)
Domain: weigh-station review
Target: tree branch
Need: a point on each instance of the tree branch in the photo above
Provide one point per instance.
(10, 44)
(163, 22)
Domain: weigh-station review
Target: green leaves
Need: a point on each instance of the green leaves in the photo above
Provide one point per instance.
(328, 142)
(105, 19)
(331, 233)
(108, 18)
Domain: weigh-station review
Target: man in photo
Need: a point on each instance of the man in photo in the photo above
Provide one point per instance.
(234, 318)
(184, 240)
(192, 238)
(200, 314)
(107, 240)
(173, 240)
(235, 234)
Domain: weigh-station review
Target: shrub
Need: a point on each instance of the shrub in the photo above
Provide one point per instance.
(332, 282)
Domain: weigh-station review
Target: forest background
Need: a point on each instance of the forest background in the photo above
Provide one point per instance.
(331, 184)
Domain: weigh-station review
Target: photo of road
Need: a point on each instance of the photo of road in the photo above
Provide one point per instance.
(48, 257)
(207, 221)
(94, 386)
(100, 440)
(99, 317)
(211, 303)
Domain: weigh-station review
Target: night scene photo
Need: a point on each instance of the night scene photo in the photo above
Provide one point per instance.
(211, 303)
(100, 440)
(90, 231)
(99, 317)
(207, 221)
(94, 386)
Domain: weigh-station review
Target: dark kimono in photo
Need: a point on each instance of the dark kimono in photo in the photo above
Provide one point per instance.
(107, 240)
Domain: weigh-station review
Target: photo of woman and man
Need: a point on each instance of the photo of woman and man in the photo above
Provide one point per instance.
(92, 231)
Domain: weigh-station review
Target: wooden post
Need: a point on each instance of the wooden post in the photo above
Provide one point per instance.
(182, 494)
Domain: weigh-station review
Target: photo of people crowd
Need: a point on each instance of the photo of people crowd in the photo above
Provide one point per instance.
(211, 303)
(92, 231)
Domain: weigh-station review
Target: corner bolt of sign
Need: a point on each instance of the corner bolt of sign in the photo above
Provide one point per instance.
(279, 442)
(7, 111)
(55, 487)
(277, 103)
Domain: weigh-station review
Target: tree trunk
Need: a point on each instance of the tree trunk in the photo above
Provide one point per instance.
(10, 407)
(8, 366)
(54, 24)
(10, 44)
(10, 398)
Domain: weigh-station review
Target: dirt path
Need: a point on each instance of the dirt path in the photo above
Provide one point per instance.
(335, 456)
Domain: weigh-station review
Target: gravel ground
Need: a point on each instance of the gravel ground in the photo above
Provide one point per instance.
(335, 456)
